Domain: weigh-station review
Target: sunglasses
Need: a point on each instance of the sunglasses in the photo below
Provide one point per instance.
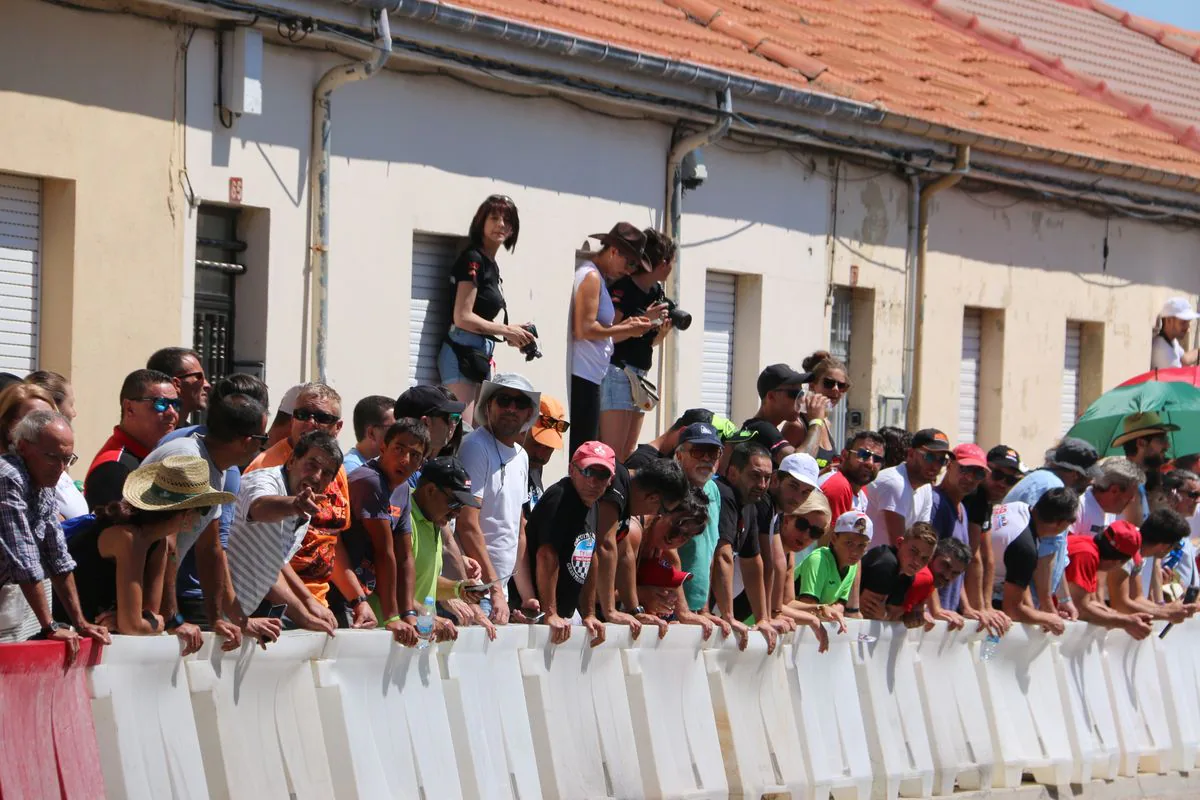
(830, 383)
(520, 401)
(321, 417)
(161, 404)
(185, 376)
(1193, 495)
(1007, 478)
(792, 393)
(595, 473)
(863, 454)
(934, 458)
(551, 424)
(978, 473)
(452, 502)
(451, 417)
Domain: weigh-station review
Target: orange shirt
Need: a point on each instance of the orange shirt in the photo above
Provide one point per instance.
(313, 562)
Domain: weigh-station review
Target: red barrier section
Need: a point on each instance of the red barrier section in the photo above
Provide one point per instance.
(47, 739)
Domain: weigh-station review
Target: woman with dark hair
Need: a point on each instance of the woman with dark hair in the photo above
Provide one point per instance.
(465, 360)
(829, 383)
(640, 294)
(121, 558)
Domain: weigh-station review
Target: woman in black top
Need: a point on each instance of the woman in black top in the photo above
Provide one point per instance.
(810, 433)
(465, 358)
(121, 558)
(638, 295)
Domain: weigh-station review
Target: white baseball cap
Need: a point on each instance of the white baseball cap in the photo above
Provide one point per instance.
(854, 522)
(287, 404)
(802, 467)
(1179, 308)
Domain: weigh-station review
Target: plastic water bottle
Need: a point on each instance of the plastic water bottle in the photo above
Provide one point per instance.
(485, 604)
(988, 648)
(425, 623)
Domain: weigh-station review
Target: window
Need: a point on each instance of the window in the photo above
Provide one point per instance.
(20, 272)
(431, 304)
(1069, 403)
(218, 265)
(968, 376)
(720, 305)
(839, 347)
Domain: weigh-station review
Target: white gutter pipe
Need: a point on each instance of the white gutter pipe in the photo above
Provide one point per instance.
(668, 363)
(322, 151)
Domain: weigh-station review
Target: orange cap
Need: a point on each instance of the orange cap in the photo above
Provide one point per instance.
(550, 419)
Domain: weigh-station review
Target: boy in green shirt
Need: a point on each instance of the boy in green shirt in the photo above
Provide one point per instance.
(827, 575)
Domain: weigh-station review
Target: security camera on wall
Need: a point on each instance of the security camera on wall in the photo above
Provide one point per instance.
(692, 171)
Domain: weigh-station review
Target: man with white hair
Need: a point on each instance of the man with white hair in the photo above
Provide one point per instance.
(32, 545)
(1174, 321)
(499, 470)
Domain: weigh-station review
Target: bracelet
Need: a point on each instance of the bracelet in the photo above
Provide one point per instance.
(149, 617)
(358, 601)
(851, 610)
(409, 613)
(820, 423)
(390, 620)
(458, 586)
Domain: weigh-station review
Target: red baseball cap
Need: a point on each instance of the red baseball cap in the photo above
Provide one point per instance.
(1124, 537)
(657, 572)
(971, 455)
(591, 454)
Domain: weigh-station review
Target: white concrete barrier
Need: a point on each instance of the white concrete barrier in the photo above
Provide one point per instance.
(257, 719)
(827, 709)
(579, 714)
(955, 716)
(384, 717)
(1137, 701)
(1025, 710)
(489, 718)
(673, 720)
(149, 748)
(1179, 668)
(1087, 703)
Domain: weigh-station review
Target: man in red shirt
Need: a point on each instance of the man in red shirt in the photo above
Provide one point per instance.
(1091, 555)
(862, 459)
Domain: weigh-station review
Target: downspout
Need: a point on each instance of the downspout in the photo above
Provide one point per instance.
(920, 200)
(668, 365)
(322, 151)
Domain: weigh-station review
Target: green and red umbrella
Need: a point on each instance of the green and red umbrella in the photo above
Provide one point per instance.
(1177, 403)
(1171, 375)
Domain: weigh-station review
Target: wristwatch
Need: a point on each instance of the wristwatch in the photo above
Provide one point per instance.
(47, 631)
(174, 622)
(638, 610)
(358, 601)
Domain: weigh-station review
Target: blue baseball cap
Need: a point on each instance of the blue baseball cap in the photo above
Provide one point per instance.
(699, 433)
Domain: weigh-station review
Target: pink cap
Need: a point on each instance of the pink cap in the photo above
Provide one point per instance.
(591, 454)
(971, 455)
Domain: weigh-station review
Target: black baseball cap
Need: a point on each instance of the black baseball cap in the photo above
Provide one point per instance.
(425, 401)
(447, 472)
(778, 375)
(699, 433)
(931, 439)
(1004, 456)
(1075, 455)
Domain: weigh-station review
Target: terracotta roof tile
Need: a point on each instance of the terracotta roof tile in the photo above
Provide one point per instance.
(940, 64)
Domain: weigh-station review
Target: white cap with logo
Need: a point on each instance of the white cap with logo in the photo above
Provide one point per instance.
(802, 467)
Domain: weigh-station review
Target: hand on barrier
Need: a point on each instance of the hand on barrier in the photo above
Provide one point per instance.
(404, 632)
(1055, 626)
(739, 630)
(954, 621)
(726, 628)
(818, 629)
(994, 622)
(94, 631)
(833, 613)
(783, 624)
(560, 629)
(769, 633)
(312, 616)
(873, 604)
(230, 633)
(190, 638)
(658, 622)
(481, 618)
(68, 637)
(1138, 626)
(596, 628)
(500, 611)
(443, 630)
(463, 611)
(1068, 611)
(621, 618)
(364, 617)
(264, 629)
(691, 618)
(530, 613)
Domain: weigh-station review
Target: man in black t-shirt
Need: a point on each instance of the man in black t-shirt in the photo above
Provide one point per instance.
(1004, 465)
(562, 534)
(779, 388)
(746, 480)
(1016, 529)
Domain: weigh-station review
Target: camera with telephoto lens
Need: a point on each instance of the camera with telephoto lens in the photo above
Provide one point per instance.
(680, 319)
(531, 351)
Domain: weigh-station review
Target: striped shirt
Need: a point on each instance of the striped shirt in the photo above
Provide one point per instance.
(258, 551)
(32, 546)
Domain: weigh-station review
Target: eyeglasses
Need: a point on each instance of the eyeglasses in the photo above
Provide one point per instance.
(594, 473)
(552, 424)
(1007, 478)
(931, 457)
(704, 452)
(321, 417)
(161, 404)
(260, 437)
(520, 401)
(863, 454)
(67, 461)
(830, 383)
(197, 374)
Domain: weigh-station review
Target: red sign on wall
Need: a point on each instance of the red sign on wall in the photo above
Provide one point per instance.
(235, 190)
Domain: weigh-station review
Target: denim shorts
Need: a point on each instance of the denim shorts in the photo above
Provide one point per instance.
(615, 393)
(447, 360)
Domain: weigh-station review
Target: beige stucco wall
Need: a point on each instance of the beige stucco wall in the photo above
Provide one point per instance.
(87, 102)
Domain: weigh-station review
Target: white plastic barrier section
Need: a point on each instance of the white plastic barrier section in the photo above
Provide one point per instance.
(142, 708)
(759, 738)
(489, 718)
(673, 716)
(826, 706)
(1179, 668)
(1025, 710)
(955, 716)
(256, 715)
(579, 713)
(383, 714)
(1137, 702)
(884, 661)
(1083, 683)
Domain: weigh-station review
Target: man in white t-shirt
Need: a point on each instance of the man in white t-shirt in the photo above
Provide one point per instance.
(1108, 495)
(1175, 320)
(499, 470)
(903, 495)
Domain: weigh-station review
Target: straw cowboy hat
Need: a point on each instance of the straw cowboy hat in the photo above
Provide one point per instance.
(506, 380)
(174, 484)
(1140, 424)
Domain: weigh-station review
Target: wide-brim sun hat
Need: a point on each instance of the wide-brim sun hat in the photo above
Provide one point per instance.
(176, 483)
(507, 380)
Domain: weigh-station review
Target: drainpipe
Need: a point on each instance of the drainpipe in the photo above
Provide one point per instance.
(918, 245)
(322, 150)
(668, 365)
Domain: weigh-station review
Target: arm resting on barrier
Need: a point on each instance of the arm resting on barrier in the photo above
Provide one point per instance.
(1092, 609)
(1124, 595)
(1018, 604)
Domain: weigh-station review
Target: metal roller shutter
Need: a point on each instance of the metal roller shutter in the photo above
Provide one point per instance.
(1070, 376)
(431, 305)
(968, 376)
(720, 303)
(839, 348)
(20, 272)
